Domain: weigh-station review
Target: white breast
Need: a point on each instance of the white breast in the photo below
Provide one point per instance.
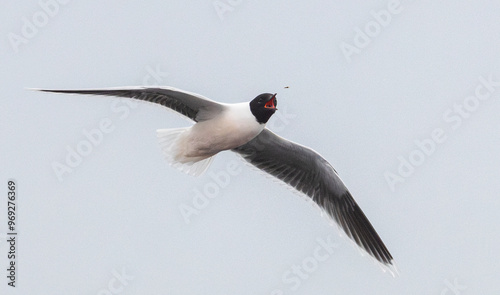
(235, 126)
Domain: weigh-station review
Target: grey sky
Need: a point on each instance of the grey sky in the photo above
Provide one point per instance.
(401, 98)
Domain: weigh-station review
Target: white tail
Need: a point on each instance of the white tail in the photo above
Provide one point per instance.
(171, 146)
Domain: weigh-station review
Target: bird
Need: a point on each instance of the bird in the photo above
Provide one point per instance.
(241, 128)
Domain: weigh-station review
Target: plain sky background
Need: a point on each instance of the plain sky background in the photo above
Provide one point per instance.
(118, 210)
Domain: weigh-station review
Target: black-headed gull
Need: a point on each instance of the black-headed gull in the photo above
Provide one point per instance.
(241, 128)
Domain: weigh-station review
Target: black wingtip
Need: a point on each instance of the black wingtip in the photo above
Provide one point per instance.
(60, 90)
(356, 225)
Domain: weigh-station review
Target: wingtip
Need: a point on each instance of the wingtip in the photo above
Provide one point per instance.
(70, 91)
(390, 267)
(34, 89)
(45, 90)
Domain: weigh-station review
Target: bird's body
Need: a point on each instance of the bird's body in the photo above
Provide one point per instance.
(241, 128)
(234, 127)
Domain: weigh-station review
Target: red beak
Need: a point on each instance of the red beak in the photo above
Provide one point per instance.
(270, 104)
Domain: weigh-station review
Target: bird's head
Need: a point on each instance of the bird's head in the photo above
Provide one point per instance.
(263, 107)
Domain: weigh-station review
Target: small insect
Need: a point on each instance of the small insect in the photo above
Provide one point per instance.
(286, 87)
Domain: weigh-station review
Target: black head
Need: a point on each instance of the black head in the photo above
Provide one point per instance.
(263, 107)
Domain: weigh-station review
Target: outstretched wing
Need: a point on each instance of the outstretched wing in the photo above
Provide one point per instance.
(191, 105)
(309, 173)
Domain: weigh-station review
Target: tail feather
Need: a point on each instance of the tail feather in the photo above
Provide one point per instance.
(171, 146)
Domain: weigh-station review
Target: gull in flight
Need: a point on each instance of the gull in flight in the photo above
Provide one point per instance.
(241, 128)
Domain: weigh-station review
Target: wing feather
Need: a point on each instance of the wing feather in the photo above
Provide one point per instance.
(306, 171)
(191, 105)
